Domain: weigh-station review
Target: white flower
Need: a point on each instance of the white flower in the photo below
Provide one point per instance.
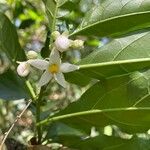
(23, 69)
(62, 43)
(32, 55)
(53, 68)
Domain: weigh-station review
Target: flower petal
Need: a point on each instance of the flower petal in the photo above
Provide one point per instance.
(66, 67)
(45, 78)
(39, 64)
(59, 77)
(55, 57)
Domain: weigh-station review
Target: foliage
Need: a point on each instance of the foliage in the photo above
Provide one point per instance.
(114, 77)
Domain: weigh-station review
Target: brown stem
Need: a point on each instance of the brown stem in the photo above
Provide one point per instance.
(16, 120)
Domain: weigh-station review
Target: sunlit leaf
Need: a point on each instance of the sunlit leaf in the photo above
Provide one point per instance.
(111, 18)
(123, 101)
(120, 56)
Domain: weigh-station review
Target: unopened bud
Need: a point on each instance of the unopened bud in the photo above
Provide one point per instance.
(23, 69)
(62, 43)
(77, 44)
(32, 55)
(55, 35)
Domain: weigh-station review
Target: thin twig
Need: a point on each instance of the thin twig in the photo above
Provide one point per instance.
(16, 120)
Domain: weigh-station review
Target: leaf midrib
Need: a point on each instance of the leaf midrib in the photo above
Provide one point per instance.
(82, 113)
(110, 117)
(114, 63)
(124, 48)
(78, 114)
(108, 19)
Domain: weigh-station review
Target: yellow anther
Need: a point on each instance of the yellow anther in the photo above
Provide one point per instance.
(54, 68)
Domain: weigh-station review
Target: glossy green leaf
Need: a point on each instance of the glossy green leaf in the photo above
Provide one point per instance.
(73, 138)
(99, 142)
(78, 78)
(121, 56)
(129, 119)
(103, 142)
(9, 40)
(111, 18)
(123, 101)
(59, 130)
(96, 143)
(134, 144)
(12, 87)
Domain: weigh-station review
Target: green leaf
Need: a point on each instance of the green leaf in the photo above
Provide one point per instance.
(77, 78)
(50, 7)
(103, 142)
(45, 52)
(52, 11)
(121, 56)
(134, 144)
(59, 130)
(12, 87)
(86, 5)
(97, 143)
(73, 138)
(9, 40)
(68, 4)
(54, 7)
(26, 23)
(122, 101)
(3, 7)
(111, 18)
(62, 2)
(130, 119)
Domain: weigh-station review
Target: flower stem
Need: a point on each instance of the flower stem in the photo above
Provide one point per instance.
(37, 101)
(30, 90)
(38, 115)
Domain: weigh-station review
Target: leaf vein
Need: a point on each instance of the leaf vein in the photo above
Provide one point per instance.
(139, 38)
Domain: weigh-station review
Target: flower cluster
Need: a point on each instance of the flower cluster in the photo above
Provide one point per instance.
(52, 68)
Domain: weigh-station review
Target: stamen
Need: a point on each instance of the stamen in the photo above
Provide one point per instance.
(54, 68)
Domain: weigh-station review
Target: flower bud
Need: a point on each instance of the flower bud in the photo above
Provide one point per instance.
(55, 35)
(62, 43)
(77, 44)
(32, 55)
(23, 69)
